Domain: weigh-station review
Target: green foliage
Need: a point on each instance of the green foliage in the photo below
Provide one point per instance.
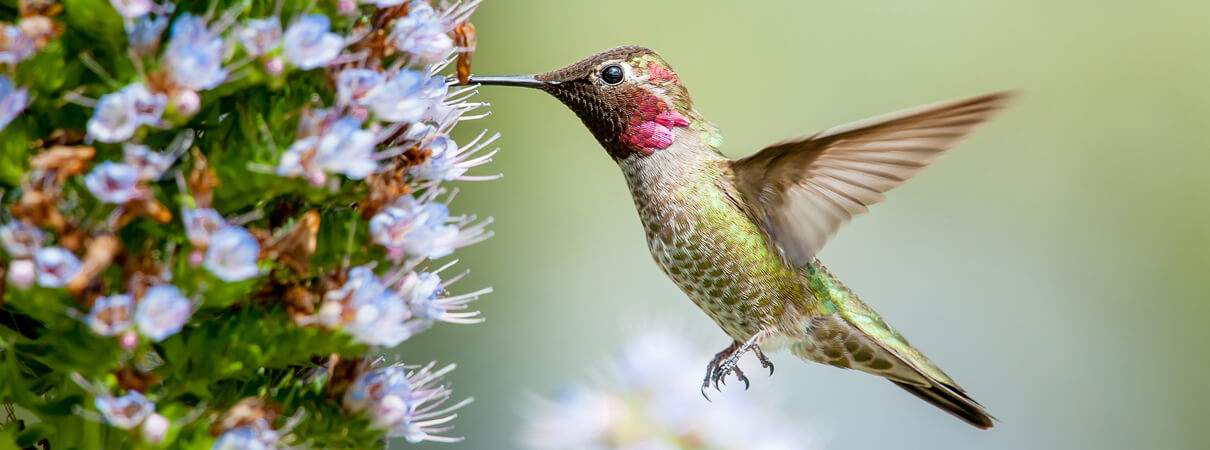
(247, 349)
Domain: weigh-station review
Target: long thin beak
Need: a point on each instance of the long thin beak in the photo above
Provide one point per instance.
(511, 80)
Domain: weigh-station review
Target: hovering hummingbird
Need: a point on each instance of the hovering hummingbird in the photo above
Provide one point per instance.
(739, 237)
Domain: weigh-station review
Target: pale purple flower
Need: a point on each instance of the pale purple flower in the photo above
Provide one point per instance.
(308, 44)
(145, 33)
(148, 106)
(403, 98)
(12, 101)
(347, 149)
(344, 148)
(232, 254)
(200, 223)
(384, 3)
(56, 266)
(259, 36)
(17, 46)
(423, 34)
(162, 312)
(127, 411)
(132, 9)
(155, 428)
(436, 89)
(353, 86)
(150, 165)
(21, 273)
(114, 118)
(194, 57)
(299, 160)
(446, 162)
(111, 315)
(21, 240)
(407, 405)
(113, 182)
(423, 294)
(424, 229)
(379, 315)
(246, 438)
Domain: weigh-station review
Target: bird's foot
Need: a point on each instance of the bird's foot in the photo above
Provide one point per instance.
(727, 362)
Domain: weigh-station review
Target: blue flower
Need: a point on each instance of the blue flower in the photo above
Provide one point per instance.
(308, 44)
(442, 162)
(15, 46)
(422, 34)
(162, 312)
(232, 254)
(114, 119)
(194, 57)
(111, 315)
(149, 165)
(145, 33)
(404, 98)
(347, 149)
(12, 101)
(200, 223)
(353, 86)
(127, 411)
(56, 266)
(113, 182)
(344, 148)
(423, 294)
(259, 36)
(423, 229)
(246, 438)
(407, 405)
(378, 315)
(21, 240)
(132, 9)
(148, 106)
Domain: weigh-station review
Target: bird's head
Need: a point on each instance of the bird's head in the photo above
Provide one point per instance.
(628, 97)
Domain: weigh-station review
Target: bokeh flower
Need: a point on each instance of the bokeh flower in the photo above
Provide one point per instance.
(150, 165)
(308, 44)
(12, 101)
(114, 119)
(15, 46)
(21, 240)
(125, 412)
(232, 254)
(245, 438)
(132, 9)
(412, 227)
(403, 98)
(56, 266)
(651, 401)
(111, 315)
(162, 312)
(259, 36)
(194, 57)
(423, 34)
(408, 404)
(113, 182)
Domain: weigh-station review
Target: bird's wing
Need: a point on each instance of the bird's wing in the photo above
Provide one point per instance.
(801, 191)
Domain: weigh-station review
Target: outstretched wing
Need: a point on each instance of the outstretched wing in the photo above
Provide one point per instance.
(803, 190)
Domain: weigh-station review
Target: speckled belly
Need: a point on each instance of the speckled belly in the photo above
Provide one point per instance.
(719, 258)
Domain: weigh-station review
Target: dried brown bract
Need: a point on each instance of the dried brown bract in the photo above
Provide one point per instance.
(464, 36)
(295, 247)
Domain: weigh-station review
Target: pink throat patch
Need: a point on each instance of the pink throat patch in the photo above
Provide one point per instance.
(651, 124)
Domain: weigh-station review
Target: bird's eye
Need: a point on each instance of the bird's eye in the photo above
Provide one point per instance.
(612, 74)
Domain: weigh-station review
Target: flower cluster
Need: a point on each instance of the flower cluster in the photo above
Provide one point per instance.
(406, 401)
(652, 404)
(213, 200)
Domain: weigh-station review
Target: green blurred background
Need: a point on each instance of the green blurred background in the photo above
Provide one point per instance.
(1055, 264)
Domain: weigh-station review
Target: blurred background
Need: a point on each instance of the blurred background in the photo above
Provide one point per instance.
(1055, 265)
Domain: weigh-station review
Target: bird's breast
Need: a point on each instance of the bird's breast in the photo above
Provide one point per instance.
(707, 245)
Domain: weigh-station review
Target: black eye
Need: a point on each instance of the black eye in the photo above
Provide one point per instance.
(612, 75)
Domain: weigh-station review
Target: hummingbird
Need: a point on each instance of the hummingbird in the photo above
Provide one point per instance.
(740, 236)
